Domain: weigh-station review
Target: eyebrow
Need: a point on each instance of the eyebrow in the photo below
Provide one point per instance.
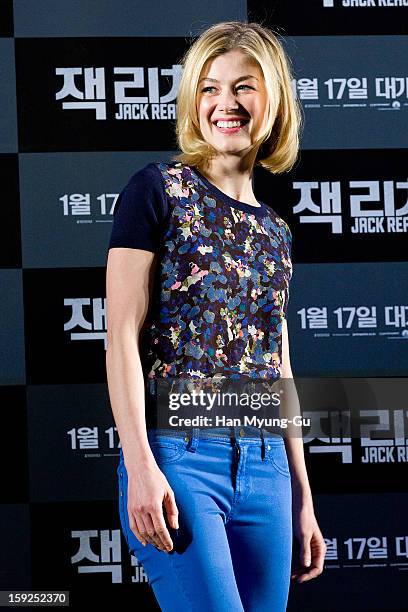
(242, 78)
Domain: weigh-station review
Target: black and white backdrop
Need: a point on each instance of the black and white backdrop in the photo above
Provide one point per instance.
(88, 94)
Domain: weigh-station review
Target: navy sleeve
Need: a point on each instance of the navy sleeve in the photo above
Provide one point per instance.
(140, 211)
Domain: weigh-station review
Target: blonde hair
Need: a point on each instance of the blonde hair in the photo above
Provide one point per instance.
(279, 142)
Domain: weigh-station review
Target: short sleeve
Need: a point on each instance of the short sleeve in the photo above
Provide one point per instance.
(140, 211)
(288, 267)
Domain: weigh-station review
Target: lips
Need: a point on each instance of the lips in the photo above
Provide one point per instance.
(243, 120)
(231, 130)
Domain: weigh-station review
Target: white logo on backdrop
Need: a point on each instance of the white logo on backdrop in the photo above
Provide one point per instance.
(355, 321)
(82, 204)
(352, 92)
(372, 212)
(136, 99)
(99, 551)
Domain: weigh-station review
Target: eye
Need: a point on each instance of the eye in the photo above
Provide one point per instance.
(239, 86)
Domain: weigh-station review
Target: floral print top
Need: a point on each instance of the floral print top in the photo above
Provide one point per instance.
(221, 284)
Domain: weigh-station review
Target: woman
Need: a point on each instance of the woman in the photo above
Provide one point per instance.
(197, 286)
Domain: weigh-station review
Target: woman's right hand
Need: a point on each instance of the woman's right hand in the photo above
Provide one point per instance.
(148, 492)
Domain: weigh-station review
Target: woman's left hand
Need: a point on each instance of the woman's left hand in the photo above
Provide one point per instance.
(312, 545)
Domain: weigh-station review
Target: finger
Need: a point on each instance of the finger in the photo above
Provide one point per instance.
(295, 573)
(143, 529)
(135, 529)
(152, 531)
(319, 562)
(305, 554)
(309, 575)
(161, 529)
(171, 509)
(320, 556)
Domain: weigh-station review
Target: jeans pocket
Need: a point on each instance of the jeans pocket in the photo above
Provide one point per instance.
(167, 450)
(275, 454)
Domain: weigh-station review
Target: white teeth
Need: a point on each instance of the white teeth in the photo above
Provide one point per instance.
(229, 124)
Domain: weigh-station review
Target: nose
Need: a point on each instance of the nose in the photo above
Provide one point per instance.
(227, 100)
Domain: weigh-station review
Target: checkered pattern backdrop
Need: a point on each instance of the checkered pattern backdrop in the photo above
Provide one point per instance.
(88, 97)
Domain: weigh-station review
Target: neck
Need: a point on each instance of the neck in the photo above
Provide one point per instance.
(235, 181)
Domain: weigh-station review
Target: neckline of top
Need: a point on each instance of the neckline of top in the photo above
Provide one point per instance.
(260, 211)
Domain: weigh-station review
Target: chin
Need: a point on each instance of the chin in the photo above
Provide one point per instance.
(230, 149)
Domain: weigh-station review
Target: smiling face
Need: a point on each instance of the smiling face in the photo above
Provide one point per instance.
(233, 88)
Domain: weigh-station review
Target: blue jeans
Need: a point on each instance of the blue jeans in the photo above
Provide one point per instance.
(232, 551)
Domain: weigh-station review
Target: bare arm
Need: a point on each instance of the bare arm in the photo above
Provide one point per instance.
(312, 544)
(129, 284)
(294, 445)
(129, 276)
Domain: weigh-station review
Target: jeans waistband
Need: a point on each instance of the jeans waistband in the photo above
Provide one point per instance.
(235, 435)
(231, 432)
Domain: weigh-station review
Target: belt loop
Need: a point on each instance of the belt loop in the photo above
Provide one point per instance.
(236, 434)
(194, 435)
(262, 445)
